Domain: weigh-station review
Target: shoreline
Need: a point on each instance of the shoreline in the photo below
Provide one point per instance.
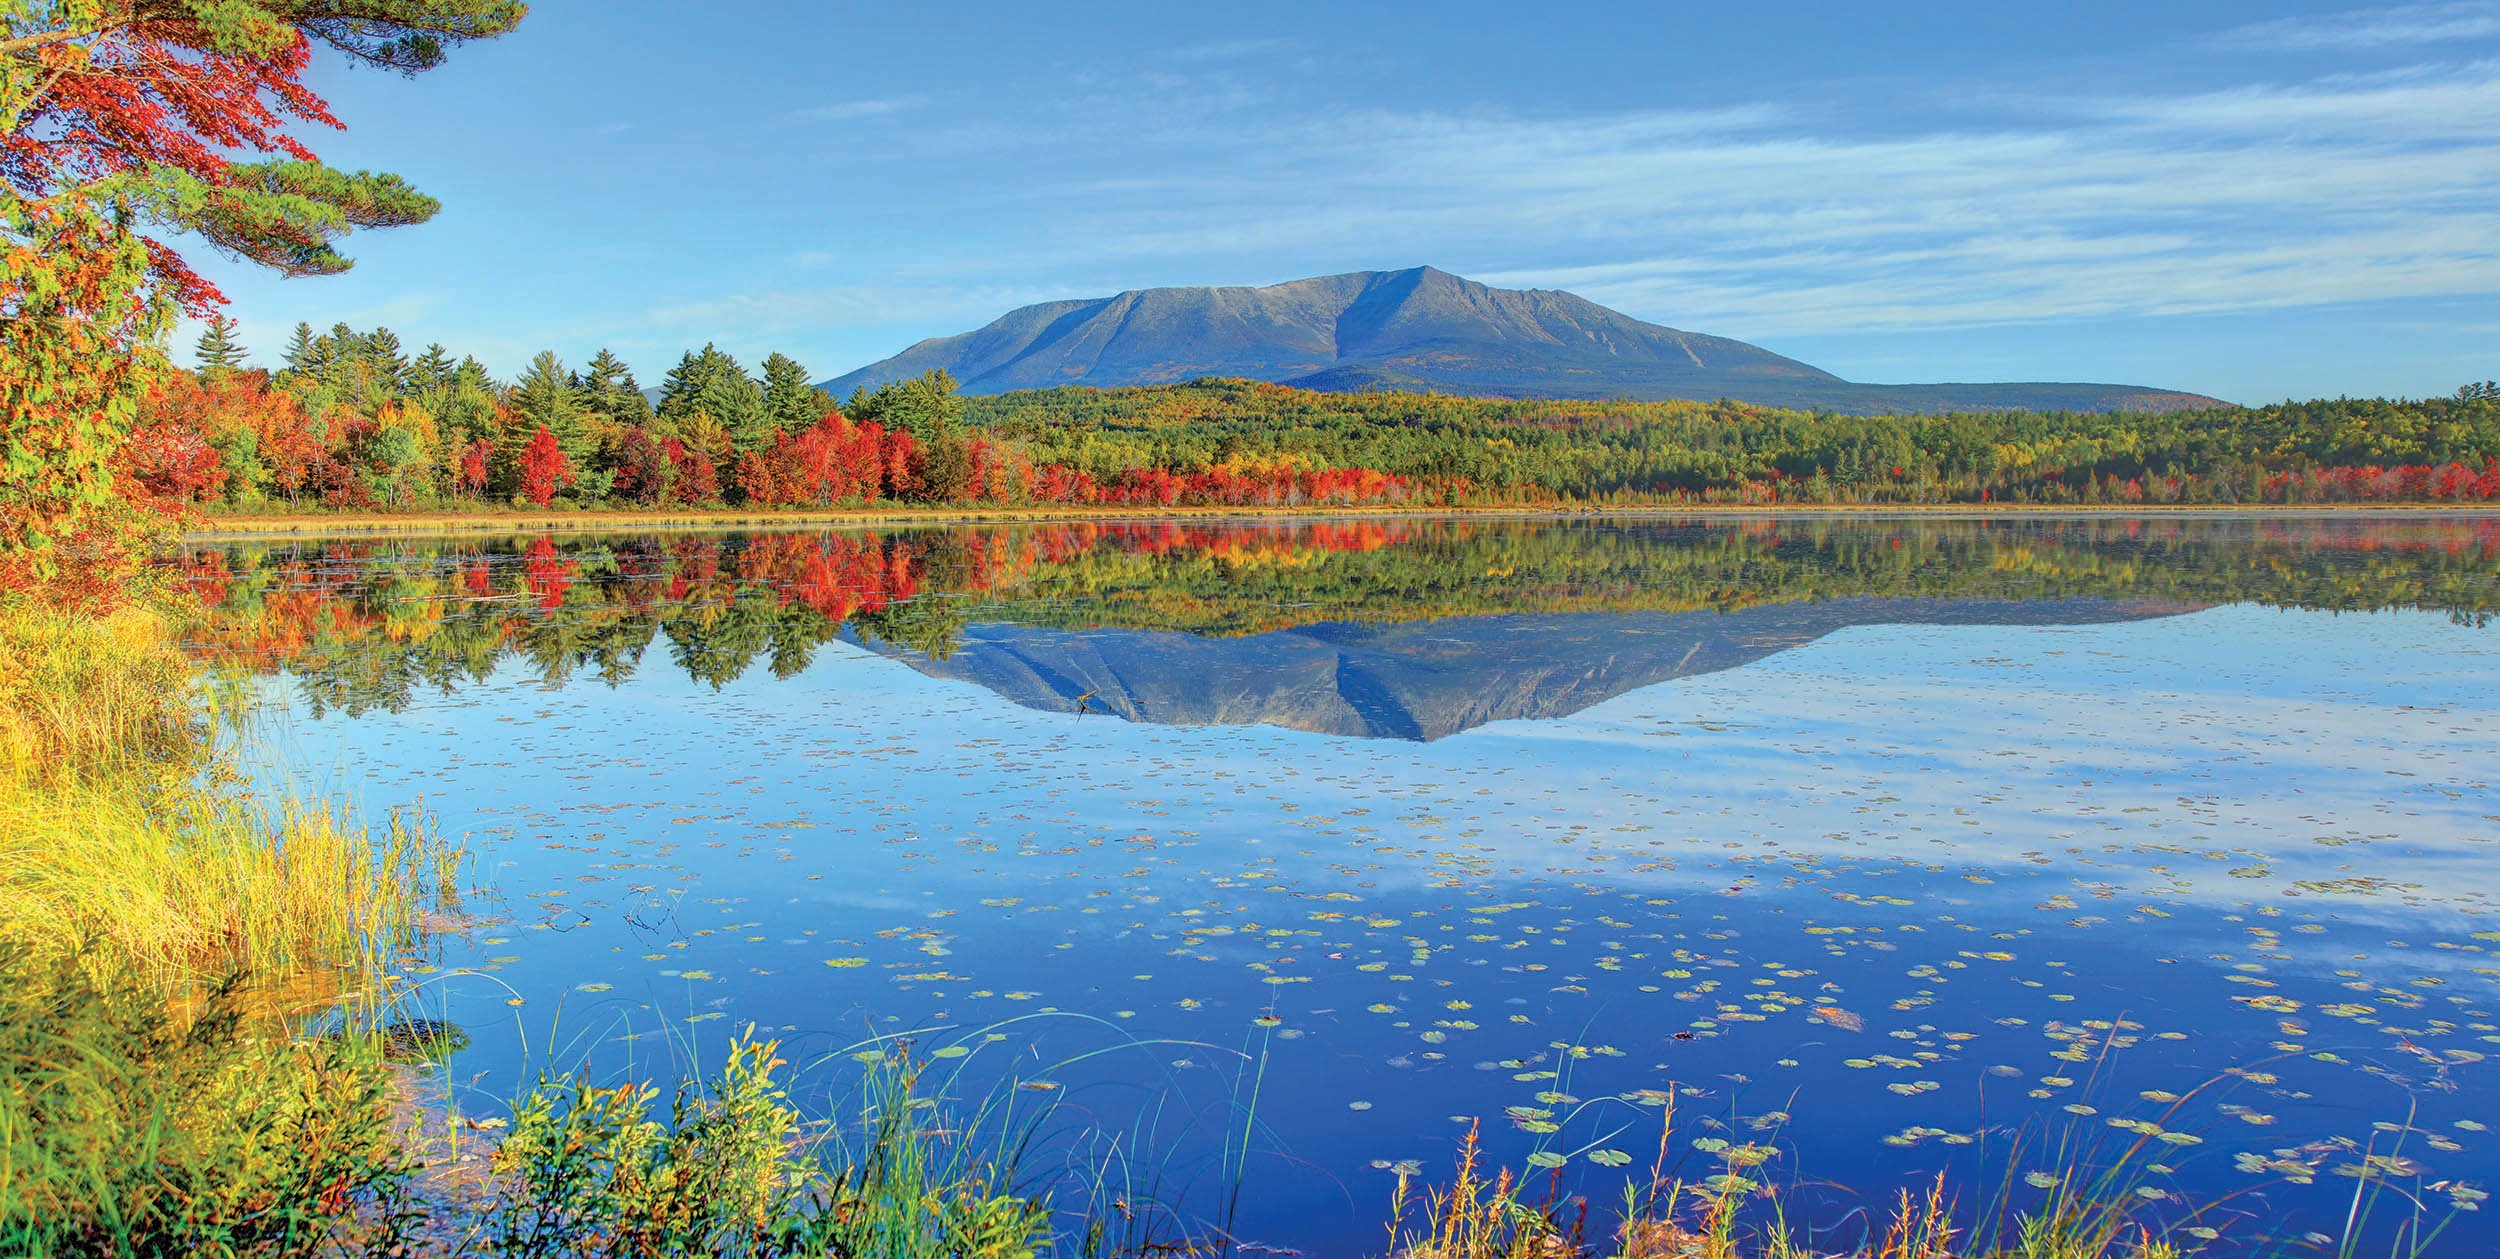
(215, 527)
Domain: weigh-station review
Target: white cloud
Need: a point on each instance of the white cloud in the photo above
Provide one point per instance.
(1762, 220)
(2373, 28)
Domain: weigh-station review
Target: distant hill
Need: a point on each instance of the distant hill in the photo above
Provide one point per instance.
(1425, 329)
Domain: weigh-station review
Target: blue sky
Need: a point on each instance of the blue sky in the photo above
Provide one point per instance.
(2254, 201)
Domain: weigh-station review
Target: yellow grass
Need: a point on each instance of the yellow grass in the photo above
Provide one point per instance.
(83, 699)
(121, 845)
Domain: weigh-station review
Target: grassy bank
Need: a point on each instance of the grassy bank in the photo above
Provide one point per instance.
(221, 524)
(124, 846)
(162, 941)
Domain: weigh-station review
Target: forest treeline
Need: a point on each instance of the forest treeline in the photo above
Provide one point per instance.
(352, 420)
(370, 624)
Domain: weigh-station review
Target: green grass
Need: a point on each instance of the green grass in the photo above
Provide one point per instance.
(130, 1126)
(734, 1170)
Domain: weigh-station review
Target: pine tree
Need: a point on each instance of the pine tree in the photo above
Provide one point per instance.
(544, 399)
(389, 364)
(609, 390)
(196, 100)
(472, 374)
(431, 371)
(217, 349)
(303, 354)
(926, 404)
(340, 349)
(790, 400)
(711, 382)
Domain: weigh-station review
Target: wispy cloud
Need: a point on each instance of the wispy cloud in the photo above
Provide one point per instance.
(1768, 220)
(854, 110)
(2400, 26)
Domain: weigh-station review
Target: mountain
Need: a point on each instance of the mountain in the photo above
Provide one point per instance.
(1424, 329)
(1424, 680)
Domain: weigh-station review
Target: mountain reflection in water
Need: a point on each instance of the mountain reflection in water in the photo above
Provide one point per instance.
(1432, 679)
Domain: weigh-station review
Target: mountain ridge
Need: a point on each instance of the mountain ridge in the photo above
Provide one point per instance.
(1424, 329)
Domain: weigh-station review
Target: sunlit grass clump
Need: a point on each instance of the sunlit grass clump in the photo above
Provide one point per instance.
(734, 1169)
(119, 845)
(164, 946)
(191, 887)
(192, 1058)
(89, 699)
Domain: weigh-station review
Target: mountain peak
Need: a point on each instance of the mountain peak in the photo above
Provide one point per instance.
(1418, 328)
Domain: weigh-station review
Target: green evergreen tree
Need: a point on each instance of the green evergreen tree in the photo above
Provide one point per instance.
(388, 363)
(431, 371)
(472, 374)
(217, 348)
(303, 354)
(610, 391)
(336, 353)
(791, 400)
(926, 404)
(709, 381)
(544, 396)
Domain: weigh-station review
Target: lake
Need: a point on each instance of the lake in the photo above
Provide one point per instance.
(1252, 862)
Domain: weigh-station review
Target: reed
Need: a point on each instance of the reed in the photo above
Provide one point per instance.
(1483, 1213)
(163, 943)
(124, 842)
(87, 699)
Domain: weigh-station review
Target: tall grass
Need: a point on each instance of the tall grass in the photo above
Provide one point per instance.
(121, 842)
(87, 699)
(734, 1170)
(2092, 1211)
(173, 1079)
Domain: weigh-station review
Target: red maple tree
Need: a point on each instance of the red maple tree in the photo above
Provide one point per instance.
(544, 469)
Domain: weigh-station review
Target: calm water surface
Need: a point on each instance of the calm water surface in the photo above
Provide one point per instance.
(1281, 853)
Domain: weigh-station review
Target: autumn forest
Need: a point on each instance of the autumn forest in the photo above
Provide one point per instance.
(354, 422)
